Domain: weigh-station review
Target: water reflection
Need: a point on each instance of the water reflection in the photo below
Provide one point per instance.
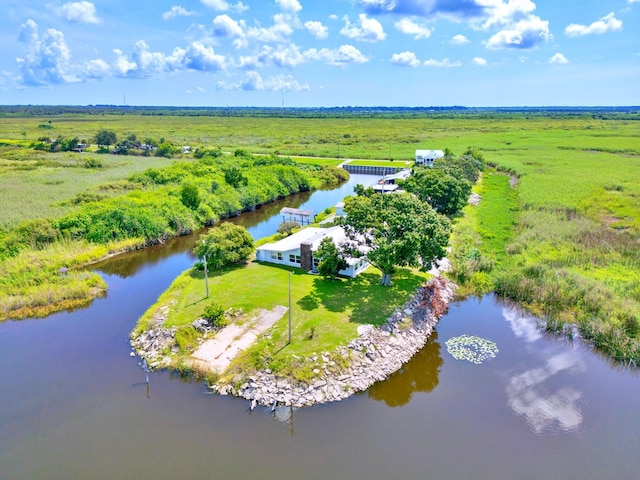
(420, 374)
(538, 394)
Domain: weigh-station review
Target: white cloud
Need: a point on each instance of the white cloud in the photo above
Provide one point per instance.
(454, 9)
(144, 63)
(501, 14)
(96, 69)
(340, 57)
(519, 28)
(445, 62)
(481, 62)
(122, 66)
(278, 32)
(47, 58)
(405, 59)
(287, 56)
(608, 23)
(225, 26)
(409, 27)
(459, 39)
(317, 29)
(368, 30)
(80, 12)
(222, 6)
(289, 5)
(559, 59)
(524, 34)
(512, 21)
(176, 11)
(200, 57)
(253, 81)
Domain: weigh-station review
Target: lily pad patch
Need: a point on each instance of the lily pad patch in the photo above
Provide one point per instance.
(471, 348)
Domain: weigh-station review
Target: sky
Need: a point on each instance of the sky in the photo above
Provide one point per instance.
(327, 53)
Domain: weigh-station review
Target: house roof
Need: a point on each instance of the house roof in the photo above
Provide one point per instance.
(312, 235)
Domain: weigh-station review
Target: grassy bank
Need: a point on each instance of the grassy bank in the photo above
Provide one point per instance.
(325, 313)
(554, 244)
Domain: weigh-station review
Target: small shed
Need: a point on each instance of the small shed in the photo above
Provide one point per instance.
(303, 217)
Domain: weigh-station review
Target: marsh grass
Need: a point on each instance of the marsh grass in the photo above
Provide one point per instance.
(571, 252)
(36, 283)
(44, 185)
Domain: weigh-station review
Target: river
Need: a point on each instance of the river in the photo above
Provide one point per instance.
(74, 404)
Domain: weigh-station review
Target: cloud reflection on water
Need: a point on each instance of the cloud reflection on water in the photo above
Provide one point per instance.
(532, 394)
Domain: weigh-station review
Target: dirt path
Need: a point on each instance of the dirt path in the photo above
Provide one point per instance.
(217, 353)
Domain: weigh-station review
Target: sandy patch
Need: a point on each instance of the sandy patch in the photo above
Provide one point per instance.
(217, 353)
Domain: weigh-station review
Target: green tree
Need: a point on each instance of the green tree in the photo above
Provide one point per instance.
(445, 193)
(287, 227)
(225, 245)
(330, 259)
(105, 138)
(234, 177)
(399, 229)
(190, 196)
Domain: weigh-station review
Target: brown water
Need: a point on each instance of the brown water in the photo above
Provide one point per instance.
(74, 404)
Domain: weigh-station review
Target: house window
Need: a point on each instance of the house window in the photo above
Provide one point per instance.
(294, 258)
(276, 255)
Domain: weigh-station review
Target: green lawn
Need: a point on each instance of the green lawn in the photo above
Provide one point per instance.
(325, 313)
(383, 163)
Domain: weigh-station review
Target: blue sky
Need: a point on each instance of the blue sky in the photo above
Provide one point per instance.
(321, 53)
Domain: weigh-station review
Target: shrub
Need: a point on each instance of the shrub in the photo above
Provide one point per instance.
(214, 313)
(92, 163)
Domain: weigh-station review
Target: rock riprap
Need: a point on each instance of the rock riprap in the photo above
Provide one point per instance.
(375, 354)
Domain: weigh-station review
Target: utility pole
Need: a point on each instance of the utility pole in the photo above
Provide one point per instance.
(290, 274)
(206, 271)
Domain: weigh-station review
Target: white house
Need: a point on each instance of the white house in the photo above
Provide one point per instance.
(427, 157)
(297, 250)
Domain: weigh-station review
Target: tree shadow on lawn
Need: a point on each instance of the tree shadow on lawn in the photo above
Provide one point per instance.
(368, 301)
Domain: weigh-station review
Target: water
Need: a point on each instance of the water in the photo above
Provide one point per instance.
(73, 404)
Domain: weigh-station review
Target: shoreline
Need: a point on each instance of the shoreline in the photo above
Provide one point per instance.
(373, 356)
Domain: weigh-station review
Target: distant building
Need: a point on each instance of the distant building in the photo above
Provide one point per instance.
(297, 250)
(427, 157)
(186, 149)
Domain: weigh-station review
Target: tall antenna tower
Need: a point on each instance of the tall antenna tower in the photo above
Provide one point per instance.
(124, 99)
